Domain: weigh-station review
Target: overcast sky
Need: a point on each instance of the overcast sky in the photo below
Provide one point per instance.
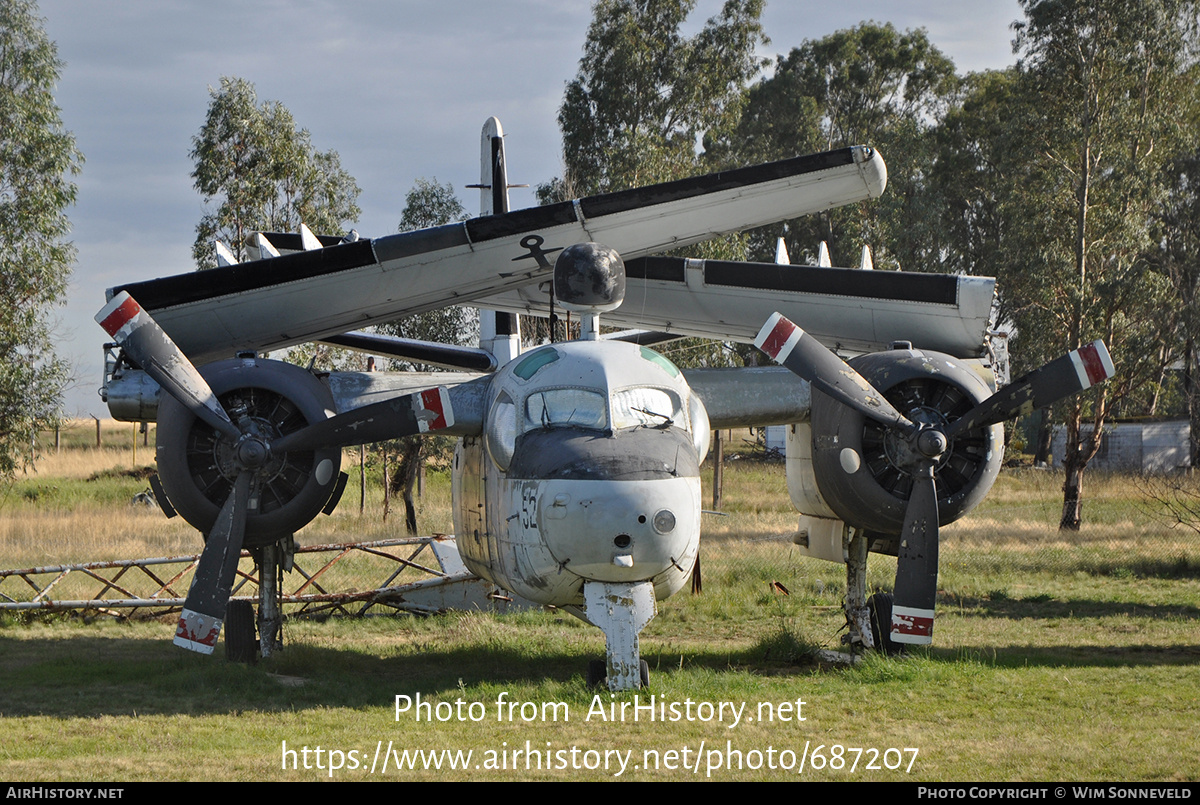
(399, 88)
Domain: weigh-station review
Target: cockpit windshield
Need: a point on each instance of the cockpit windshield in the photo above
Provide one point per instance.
(646, 406)
(579, 408)
(588, 408)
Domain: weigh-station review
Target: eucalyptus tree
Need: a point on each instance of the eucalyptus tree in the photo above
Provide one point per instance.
(646, 100)
(645, 94)
(38, 157)
(867, 85)
(263, 173)
(428, 203)
(1101, 83)
(1176, 253)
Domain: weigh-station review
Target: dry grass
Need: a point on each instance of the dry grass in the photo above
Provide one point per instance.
(50, 515)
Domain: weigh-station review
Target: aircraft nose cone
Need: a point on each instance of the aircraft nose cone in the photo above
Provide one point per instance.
(622, 531)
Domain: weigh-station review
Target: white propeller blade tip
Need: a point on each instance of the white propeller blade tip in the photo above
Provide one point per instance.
(433, 410)
(117, 315)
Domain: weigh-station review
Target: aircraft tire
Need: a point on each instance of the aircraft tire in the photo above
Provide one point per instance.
(241, 641)
(880, 606)
(644, 673)
(597, 672)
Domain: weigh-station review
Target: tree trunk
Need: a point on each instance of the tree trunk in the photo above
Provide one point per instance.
(387, 486)
(1192, 395)
(1073, 466)
(405, 479)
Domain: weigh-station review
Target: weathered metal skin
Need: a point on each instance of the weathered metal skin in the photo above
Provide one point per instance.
(197, 473)
(873, 490)
(545, 503)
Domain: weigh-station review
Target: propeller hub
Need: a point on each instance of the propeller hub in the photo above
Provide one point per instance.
(907, 450)
(931, 442)
(252, 453)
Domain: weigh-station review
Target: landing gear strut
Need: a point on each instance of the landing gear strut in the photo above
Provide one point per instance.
(274, 561)
(621, 610)
(858, 618)
(240, 642)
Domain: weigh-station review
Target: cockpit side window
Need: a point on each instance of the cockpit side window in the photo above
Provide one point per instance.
(650, 407)
(581, 408)
(501, 433)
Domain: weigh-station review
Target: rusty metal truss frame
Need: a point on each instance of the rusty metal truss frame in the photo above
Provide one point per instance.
(154, 587)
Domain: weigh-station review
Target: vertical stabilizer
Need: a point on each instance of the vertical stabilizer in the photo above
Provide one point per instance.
(499, 333)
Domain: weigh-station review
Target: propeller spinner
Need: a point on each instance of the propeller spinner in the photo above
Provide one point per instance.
(250, 450)
(921, 445)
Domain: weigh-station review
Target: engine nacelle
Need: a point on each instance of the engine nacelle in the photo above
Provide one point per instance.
(851, 469)
(272, 399)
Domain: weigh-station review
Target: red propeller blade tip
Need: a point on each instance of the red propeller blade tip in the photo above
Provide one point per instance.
(912, 625)
(117, 314)
(778, 337)
(1092, 363)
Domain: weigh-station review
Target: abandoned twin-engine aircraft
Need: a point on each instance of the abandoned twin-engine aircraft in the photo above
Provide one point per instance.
(576, 480)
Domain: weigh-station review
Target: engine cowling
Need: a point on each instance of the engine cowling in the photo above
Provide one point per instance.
(858, 465)
(272, 399)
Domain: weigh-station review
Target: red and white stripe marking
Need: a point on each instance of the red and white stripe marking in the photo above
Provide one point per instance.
(432, 409)
(1092, 364)
(778, 337)
(197, 632)
(119, 317)
(912, 625)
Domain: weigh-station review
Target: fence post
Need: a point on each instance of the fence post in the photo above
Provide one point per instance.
(718, 469)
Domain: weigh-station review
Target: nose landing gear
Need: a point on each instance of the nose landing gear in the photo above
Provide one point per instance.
(621, 611)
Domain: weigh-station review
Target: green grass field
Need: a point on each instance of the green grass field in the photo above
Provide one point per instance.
(1055, 658)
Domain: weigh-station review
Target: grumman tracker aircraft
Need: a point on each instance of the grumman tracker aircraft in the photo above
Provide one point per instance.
(576, 480)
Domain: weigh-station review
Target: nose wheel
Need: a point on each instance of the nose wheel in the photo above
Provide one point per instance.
(597, 674)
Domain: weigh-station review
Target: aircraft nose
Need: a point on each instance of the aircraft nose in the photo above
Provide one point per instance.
(621, 530)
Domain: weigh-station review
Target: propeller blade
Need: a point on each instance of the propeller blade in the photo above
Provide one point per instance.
(917, 563)
(144, 341)
(790, 346)
(204, 608)
(1070, 374)
(420, 412)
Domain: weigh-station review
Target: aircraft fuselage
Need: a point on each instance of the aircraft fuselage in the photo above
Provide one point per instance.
(588, 470)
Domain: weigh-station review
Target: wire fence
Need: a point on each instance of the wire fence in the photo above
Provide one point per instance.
(1139, 526)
